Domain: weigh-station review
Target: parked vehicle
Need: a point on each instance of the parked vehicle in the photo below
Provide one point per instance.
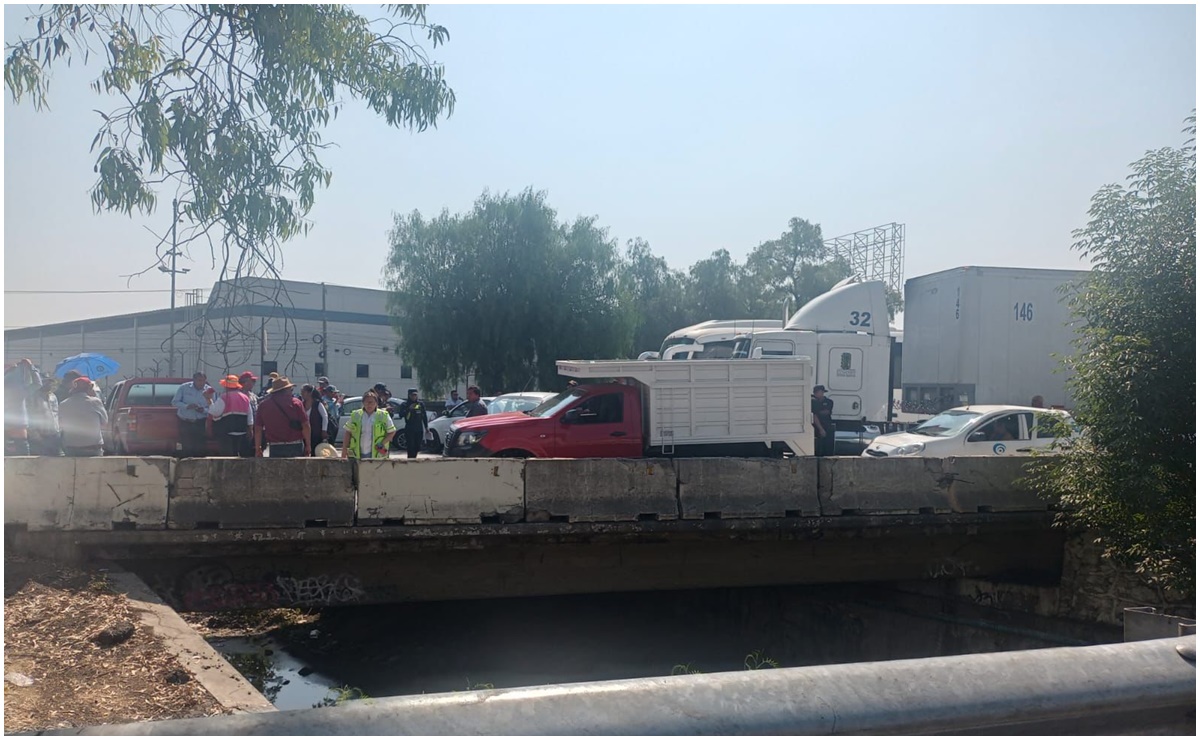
(986, 335)
(142, 420)
(440, 427)
(977, 430)
(708, 340)
(523, 401)
(855, 442)
(355, 402)
(656, 408)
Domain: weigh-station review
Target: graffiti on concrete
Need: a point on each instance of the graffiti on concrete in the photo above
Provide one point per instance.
(215, 588)
(948, 568)
(320, 590)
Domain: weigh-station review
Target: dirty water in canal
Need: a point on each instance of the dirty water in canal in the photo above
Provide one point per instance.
(401, 649)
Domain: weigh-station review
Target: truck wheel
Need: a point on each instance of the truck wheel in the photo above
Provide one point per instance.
(435, 444)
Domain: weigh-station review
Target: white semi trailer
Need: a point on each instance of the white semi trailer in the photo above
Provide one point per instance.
(986, 335)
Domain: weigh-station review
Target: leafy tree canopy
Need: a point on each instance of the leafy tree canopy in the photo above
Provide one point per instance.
(222, 106)
(1132, 476)
(795, 268)
(503, 292)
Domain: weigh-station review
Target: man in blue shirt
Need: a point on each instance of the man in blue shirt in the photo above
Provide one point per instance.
(191, 406)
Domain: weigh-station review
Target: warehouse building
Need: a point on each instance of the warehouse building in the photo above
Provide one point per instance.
(301, 330)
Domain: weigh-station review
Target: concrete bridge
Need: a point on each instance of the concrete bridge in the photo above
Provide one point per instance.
(221, 533)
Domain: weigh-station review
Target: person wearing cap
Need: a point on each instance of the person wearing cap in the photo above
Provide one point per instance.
(191, 406)
(281, 425)
(384, 394)
(333, 409)
(823, 426)
(82, 417)
(416, 423)
(233, 417)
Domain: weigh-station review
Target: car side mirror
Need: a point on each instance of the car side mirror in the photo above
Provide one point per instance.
(571, 416)
(977, 437)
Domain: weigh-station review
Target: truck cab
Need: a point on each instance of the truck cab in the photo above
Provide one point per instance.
(709, 340)
(846, 331)
(597, 420)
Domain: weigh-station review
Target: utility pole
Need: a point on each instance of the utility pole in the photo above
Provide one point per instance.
(173, 270)
(324, 335)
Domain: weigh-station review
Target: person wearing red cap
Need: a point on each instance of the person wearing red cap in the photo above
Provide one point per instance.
(82, 418)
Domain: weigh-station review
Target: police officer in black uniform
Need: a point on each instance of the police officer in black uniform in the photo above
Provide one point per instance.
(823, 427)
(415, 423)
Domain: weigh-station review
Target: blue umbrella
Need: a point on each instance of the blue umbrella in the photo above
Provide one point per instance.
(91, 364)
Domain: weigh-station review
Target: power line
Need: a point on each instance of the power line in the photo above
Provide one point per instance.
(74, 292)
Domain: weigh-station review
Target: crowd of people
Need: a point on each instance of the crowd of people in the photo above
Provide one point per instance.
(45, 416)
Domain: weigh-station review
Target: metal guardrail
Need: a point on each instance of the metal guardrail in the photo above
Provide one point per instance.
(1108, 689)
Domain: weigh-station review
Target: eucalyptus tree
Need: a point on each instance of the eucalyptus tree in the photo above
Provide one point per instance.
(220, 109)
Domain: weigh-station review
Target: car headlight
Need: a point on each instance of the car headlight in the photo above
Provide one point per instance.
(911, 449)
(466, 439)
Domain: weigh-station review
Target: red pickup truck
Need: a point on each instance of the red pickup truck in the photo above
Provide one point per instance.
(142, 420)
(743, 408)
(588, 421)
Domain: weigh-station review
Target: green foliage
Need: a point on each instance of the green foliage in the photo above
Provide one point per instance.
(1131, 476)
(756, 661)
(655, 295)
(794, 268)
(515, 289)
(225, 104)
(341, 695)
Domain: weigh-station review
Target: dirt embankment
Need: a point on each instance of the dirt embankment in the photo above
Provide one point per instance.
(76, 654)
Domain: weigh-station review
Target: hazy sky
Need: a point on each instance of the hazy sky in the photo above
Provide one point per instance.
(985, 129)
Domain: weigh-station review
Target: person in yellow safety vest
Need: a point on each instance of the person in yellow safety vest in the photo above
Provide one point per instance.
(376, 445)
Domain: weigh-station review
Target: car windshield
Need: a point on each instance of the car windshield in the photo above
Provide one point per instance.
(946, 424)
(506, 404)
(554, 404)
(741, 348)
(671, 341)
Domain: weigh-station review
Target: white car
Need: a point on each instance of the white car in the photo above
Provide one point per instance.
(976, 430)
(523, 401)
(439, 427)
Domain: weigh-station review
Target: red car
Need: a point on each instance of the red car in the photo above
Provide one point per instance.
(142, 420)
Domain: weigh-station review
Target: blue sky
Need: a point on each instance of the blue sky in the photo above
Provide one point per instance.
(985, 129)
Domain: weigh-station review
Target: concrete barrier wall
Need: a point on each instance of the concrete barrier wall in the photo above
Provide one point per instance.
(441, 491)
(230, 493)
(87, 493)
(735, 488)
(963, 485)
(600, 490)
(242, 493)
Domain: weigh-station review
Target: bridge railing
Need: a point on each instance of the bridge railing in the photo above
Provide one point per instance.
(106, 493)
(1139, 687)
